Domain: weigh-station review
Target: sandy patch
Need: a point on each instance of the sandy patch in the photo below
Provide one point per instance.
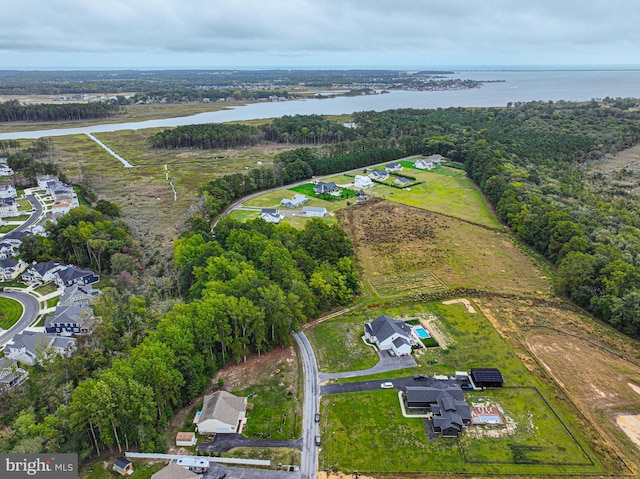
(634, 387)
(466, 302)
(338, 475)
(631, 427)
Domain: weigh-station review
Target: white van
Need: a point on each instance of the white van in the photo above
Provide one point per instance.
(387, 385)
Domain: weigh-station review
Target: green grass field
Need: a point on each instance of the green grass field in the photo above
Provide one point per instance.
(46, 288)
(366, 432)
(10, 312)
(7, 228)
(443, 190)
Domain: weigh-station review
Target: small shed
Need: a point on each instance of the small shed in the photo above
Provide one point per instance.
(124, 466)
(487, 377)
(186, 439)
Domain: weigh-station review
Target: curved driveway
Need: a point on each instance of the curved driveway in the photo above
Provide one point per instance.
(31, 308)
(385, 364)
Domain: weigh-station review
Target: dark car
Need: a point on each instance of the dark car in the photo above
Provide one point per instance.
(420, 377)
(317, 417)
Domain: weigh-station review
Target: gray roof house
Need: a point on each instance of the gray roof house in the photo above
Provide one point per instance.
(11, 376)
(379, 175)
(77, 295)
(296, 201)
(329, 188)
(71, 275)
(70, 320)
(8, 191)
(222, 412)
(450, 412)
(43, 272)
(314, 211)
(30, 347)
(390, 334)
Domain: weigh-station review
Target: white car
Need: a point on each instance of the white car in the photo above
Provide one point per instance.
(387, 385)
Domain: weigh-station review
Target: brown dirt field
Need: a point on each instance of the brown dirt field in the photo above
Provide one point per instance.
(390, 238)
(593, 364)
(251, 372)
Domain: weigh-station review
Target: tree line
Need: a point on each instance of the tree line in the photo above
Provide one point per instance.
(13, 110)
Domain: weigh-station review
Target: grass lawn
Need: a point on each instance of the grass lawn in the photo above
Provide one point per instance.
(277, 408)
(445, 191)
(46, 288)
(52, 302)
(7, 228)
(141, 470)
(24, 205)
(10, 312)
(13, 284)
(17, 218)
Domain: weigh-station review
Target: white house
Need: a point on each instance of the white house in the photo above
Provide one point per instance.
(390, 334)
(11, 376)
(362, 182)
(424, 165)
(379, 175)
(8, 191)
(11, 268)
(271, 215)
(296, 201)
(43, 180)
(314, 211)
(8, 207)
(43, 272)
(5, 170)
(71, 275)
(30, 347)
(393, 167)
(222, 412)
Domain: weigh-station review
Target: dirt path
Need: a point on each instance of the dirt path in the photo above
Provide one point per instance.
(464, 301)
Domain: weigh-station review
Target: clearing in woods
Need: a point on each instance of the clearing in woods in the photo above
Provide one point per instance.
(406, 250)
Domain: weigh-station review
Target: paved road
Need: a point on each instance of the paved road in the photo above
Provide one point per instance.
(309, 463)
(31, 308)
(385, 364)
(224, 442)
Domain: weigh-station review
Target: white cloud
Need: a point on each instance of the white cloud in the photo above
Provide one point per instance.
(356, 32)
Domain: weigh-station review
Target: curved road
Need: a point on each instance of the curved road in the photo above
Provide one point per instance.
(309, 463)
(31, 308)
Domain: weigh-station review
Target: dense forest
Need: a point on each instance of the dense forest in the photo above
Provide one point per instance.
(244, 291)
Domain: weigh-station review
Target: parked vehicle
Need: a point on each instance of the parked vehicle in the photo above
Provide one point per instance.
(317, 417)
(420, 377)
(317, 440)
(387, 385)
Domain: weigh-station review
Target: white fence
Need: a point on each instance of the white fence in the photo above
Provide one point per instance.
(221, 460)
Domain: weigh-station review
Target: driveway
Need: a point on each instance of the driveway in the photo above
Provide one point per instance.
(224, 442)
(385, 364)
(398, 383)
(31, 308)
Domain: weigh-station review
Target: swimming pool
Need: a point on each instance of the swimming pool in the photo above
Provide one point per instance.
(422, 333)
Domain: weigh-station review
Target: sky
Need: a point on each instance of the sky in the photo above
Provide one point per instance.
(209, 34)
